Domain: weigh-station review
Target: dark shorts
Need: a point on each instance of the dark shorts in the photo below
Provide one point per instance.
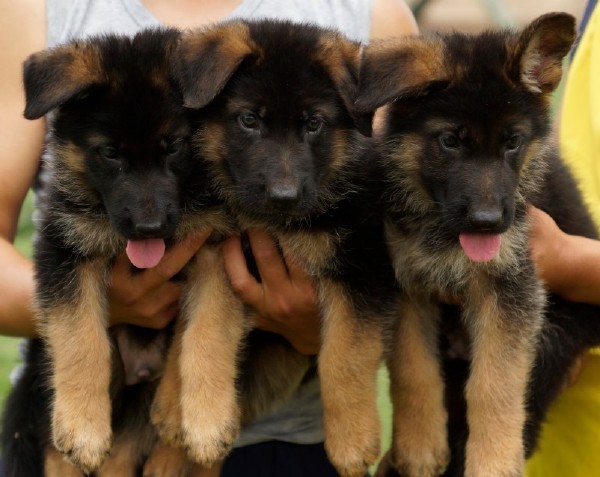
(278, 459)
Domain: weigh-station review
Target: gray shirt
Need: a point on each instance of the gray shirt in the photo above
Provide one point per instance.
(69, 19)
(300, 420)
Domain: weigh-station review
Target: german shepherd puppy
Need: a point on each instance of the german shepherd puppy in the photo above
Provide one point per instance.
(288, 153)
(119, 176)
(466, 146)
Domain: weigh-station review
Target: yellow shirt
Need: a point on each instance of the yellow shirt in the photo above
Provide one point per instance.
(570, 442)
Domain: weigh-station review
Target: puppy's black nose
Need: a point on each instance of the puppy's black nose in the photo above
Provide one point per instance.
(487, 219)
(150, 229)
(284, 194)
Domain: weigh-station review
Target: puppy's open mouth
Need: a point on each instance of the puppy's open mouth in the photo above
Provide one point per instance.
(145, 253)
(480, 247)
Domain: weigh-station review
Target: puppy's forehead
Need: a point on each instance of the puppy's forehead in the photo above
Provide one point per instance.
(143, 60)
(272, 38)
(477, 62)
(286, 44)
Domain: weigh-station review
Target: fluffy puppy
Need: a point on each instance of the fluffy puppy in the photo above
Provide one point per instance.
(467, 147)
(117, 175)
(276, 126)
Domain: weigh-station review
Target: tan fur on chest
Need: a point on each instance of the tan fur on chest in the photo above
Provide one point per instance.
(314, 251)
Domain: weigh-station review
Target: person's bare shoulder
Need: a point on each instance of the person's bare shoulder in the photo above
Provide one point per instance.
(392, 18)
(22, 31)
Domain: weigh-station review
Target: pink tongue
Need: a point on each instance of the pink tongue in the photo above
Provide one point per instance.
(145, 253)
(480, 247)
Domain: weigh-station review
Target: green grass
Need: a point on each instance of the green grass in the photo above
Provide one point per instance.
(385, 408)
(9, 358)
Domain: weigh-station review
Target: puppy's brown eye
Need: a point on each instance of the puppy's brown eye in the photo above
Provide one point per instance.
(313, 125)
(110, 153)
(248, 120)
(449, 141)
(513, 143)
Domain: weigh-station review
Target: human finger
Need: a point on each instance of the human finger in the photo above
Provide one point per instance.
(242, 282)
(269, 260)
(154, 308)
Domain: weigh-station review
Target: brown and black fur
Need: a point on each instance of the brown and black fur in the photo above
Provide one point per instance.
(119, 167)
(466, 146)
(289, 154)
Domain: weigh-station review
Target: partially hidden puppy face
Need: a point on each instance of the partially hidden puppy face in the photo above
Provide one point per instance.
(120, 132)
(468, 123)
(276, 118)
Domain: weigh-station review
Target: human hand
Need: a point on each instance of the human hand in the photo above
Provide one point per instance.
(548, 245)
(285, 300)
(149, 298)
(550, 251)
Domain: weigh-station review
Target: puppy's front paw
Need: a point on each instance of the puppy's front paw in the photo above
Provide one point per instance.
(424, 462)
(210, 441)
(420, 443)
(353, 454)
(85, 438)
(427, 459)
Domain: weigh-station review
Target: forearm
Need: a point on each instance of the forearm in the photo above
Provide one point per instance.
(569, 264)
(16, 292)
(579, 279)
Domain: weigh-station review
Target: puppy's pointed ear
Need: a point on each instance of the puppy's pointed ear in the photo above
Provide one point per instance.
(399, 68)
(206, 59)
(54, 76)
(341, 59)
(539, 50)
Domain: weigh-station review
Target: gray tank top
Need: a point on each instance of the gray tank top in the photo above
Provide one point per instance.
(300, 420)
(69, 19)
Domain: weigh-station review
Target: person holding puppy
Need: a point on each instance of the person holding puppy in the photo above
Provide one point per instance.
(285, 443)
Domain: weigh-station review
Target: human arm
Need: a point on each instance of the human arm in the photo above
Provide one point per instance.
(392, 18)
(569, 264)
(21, 145)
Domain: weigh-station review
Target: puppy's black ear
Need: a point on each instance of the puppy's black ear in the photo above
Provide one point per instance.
(538, 52)
(54, 76)
(399, 68)
(206, 59)
(341, 59)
